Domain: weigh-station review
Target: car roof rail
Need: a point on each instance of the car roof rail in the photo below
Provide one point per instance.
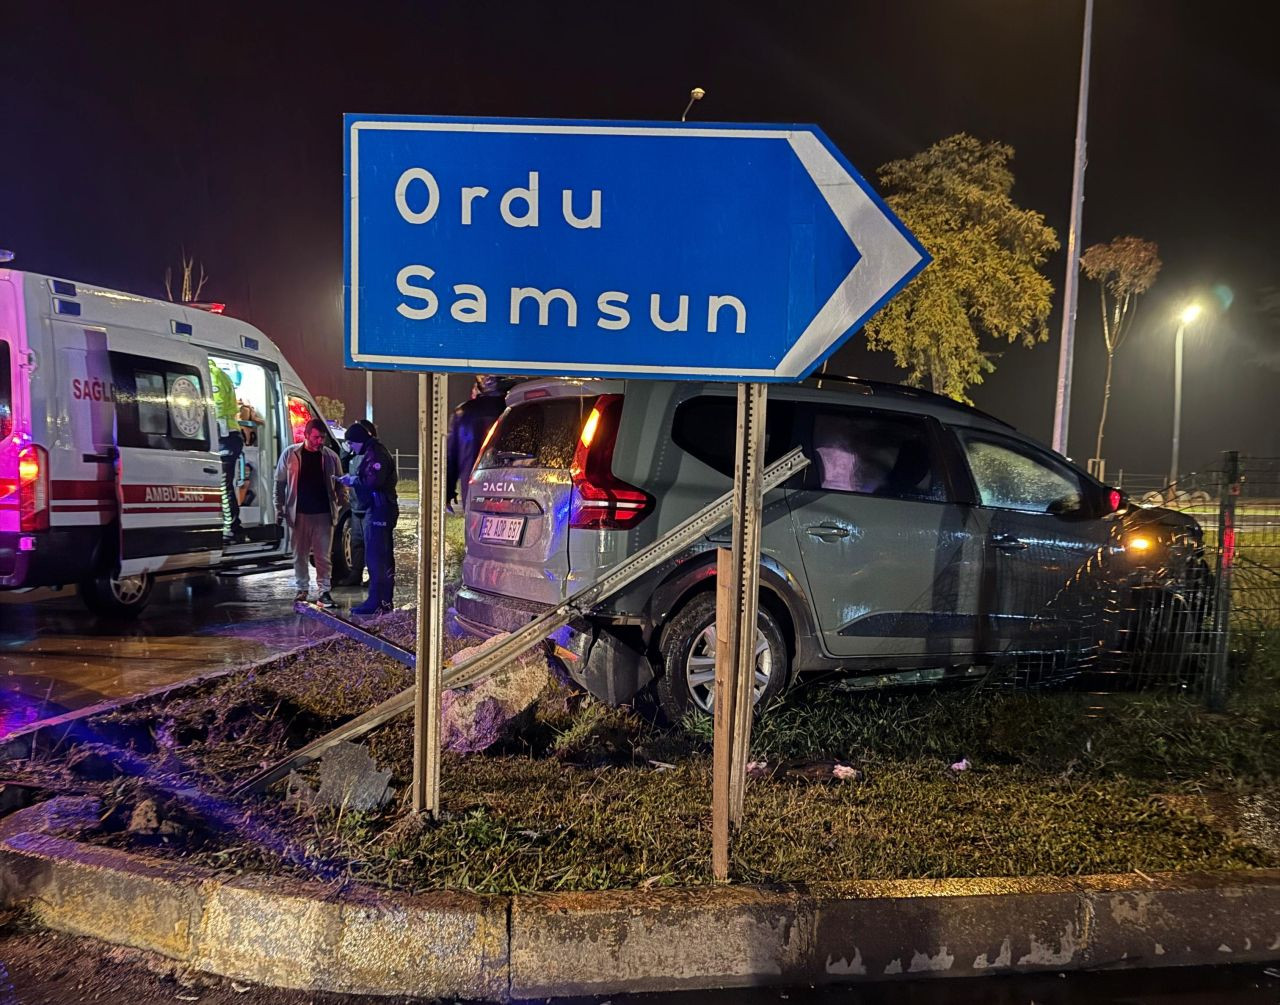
(882, 387)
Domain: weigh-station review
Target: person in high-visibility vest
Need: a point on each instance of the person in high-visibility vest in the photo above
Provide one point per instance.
(230, 447)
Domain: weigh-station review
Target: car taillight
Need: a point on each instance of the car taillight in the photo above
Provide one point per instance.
(601, 501)
(33, 488)
(484, 444)
(1114, 500)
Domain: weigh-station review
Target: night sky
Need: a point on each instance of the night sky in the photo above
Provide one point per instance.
(130, 130)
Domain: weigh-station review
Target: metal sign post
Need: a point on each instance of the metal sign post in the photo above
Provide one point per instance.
(1217, 694)
(433, 417)
(736, 607)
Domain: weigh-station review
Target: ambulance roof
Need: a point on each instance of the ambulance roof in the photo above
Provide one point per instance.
(98, 306)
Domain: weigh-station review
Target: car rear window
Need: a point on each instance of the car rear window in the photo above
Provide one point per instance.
(537, 434)
(707, 428)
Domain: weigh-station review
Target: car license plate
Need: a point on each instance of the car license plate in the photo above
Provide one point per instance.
(502, 529)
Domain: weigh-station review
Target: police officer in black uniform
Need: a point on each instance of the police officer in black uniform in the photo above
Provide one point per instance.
(355, 570)
(373, 482)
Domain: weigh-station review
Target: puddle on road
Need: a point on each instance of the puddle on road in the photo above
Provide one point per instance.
(56, 656)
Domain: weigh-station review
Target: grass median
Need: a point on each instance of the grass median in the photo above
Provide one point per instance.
(941, 783)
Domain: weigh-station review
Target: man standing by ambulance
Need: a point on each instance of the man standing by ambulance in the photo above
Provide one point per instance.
(374, 484)
(309, 498)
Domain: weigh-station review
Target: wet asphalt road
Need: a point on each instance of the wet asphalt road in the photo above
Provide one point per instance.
(56, 656)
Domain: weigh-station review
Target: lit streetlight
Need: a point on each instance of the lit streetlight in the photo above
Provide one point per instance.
(1188, 316)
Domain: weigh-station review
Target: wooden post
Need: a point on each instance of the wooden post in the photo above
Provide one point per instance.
(433, 417)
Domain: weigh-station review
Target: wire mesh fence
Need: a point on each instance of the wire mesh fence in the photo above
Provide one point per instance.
(1184, 588)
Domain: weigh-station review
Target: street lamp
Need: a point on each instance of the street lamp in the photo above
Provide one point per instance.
(1188, 315)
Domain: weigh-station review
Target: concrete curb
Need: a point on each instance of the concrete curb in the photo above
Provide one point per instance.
(353, 939)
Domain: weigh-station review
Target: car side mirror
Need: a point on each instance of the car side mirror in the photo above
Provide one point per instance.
(1114, 502)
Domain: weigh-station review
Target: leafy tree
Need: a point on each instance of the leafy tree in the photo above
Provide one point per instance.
(984, 280)
(332, 408)
(1123, 270)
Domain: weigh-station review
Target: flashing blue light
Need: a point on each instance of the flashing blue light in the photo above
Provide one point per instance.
(63, 288)
(249, 343)
(68, 307)
(181, 327)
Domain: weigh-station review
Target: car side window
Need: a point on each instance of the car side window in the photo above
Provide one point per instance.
(1010, 475)
(876, 454)
(706, 427)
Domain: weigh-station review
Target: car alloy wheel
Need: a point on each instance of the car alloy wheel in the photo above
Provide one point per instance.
(687, 648)
(700, 668)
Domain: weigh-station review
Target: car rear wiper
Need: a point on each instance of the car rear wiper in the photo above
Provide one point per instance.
(512, 455)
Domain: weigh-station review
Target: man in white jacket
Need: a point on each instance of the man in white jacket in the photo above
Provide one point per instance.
(309, 499)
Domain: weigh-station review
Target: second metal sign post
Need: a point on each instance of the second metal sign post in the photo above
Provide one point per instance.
(433, 418)
(738, 587)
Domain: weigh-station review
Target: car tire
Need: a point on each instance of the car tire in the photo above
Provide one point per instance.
(117, 598)
(341, 552)
(687, 650)
(1163, 639)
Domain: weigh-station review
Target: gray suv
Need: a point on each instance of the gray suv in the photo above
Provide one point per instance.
(923, 536)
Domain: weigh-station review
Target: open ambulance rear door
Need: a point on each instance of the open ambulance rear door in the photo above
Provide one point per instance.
(168, 471)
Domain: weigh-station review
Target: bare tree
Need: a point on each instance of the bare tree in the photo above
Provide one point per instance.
(190, 291)
(1123, 270)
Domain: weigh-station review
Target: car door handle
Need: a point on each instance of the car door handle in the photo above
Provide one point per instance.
(827, 531)
(106, 457)
(1007, 542)
(210, 471)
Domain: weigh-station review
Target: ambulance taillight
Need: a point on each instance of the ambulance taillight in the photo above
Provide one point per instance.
(33, 488)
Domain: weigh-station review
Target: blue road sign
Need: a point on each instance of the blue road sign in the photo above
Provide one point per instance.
(663, 250)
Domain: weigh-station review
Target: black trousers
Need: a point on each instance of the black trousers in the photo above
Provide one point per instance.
(379, 553)
(356, 575)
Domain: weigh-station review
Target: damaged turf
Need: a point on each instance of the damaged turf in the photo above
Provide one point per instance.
(573, 794)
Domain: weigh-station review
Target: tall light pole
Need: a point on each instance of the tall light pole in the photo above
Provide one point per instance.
(1188, 315)
(1066, 350)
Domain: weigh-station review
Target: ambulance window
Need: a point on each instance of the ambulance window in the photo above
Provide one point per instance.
(159, 405)
(153, 407)
(6, 393)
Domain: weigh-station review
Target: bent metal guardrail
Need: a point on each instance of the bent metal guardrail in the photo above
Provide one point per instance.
(492, 658)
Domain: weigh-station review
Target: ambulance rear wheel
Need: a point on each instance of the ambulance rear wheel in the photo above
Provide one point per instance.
(117, 598)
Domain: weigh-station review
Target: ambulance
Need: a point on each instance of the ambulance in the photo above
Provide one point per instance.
(110, 474)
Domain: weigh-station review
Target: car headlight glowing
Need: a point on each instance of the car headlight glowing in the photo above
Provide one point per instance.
(1138, 544)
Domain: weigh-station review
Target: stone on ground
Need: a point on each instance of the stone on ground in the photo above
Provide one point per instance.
(478, 716)
(349, 777)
